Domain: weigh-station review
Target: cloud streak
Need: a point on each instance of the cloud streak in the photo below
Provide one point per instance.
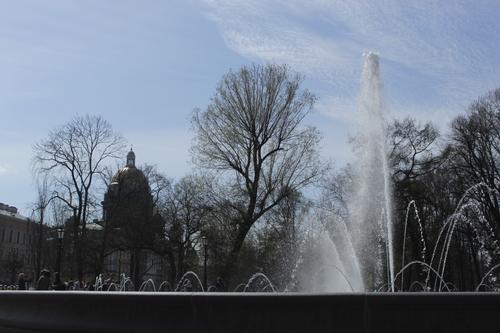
(440, 53)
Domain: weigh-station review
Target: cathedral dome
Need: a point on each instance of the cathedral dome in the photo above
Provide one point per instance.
(130, 178)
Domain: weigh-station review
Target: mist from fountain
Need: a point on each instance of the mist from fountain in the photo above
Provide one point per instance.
(323, 270)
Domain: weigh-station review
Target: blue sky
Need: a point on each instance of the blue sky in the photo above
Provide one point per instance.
(144, 66)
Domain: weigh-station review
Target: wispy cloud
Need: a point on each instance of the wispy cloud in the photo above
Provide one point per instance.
(3, 168)
(446, 49)
(336, 107)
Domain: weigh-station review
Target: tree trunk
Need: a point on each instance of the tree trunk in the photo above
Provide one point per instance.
(38, 267)
(235, 250)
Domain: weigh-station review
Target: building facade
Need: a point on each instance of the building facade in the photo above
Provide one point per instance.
(16, 244)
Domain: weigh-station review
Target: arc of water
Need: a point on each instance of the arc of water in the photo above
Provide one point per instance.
(474, 228)
(385, 231)
(145, 283)
(435, 249)
(460, 208)
(239, 287)
(486, 275)
(453, 220)
(129, 281)
(298, 261)
(123, 285)
(389, 223)
(344, 276)
(98, 283)
(483, 285)
(164, 283)
(185, 276)
(415, 262)
(450, 221)
(384, 288)
(446, 246)
(452, 285)
(112, 285)
(353, 254)
(404, 236)
(460, 214)
(257, 276)
(416, 283)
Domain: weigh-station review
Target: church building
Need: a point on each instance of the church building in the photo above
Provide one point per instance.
(131, 226)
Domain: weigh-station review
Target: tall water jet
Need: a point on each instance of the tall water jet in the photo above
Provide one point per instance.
(371, 206)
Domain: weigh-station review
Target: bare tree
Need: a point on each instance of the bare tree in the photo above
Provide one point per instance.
(39, 214)
(412, 152)
(159, 184)
(73, 155)
(251, 132)
(476, 154)
(185, 209)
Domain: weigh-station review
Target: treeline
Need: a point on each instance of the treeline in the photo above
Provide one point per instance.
(255, 161)
(446, 191)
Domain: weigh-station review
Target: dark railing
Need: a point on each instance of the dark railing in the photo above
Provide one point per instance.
(53, 311)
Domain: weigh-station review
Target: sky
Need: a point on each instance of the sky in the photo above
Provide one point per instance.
(145, 65)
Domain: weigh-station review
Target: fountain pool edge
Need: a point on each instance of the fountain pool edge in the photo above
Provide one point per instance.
(53, 311)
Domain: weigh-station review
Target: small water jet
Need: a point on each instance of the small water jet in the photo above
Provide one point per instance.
(112, 287)
(255, 279)
(164, 286)
(481, 283)
(145, 284)
(186, 282)
(124, 282)
(98, 283)
(422, 240)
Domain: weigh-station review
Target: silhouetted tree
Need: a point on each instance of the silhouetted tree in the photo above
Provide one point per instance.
(72, 155)
(251, 132)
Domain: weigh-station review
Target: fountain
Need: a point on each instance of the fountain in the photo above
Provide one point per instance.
(371, 205)
(348, 255)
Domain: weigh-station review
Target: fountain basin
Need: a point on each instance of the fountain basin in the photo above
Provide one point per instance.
(74, 311)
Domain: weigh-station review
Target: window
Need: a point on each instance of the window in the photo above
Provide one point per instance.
(24, 238)
(10, 236)
(3, 234)
(18, 236)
